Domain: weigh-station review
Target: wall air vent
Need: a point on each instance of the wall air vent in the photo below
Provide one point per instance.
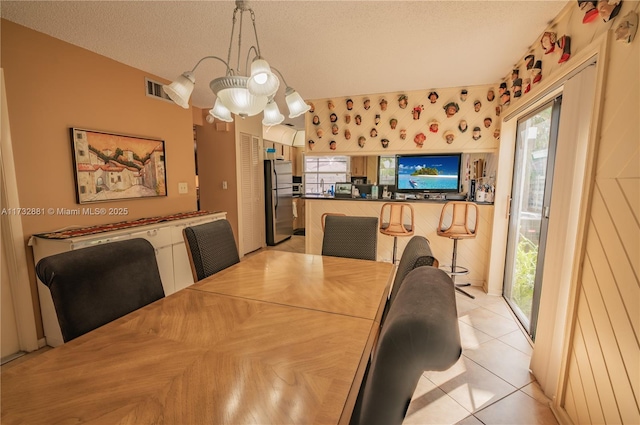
(154, 89)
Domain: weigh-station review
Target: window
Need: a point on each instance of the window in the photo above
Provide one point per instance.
(387, 170)
(320, 172)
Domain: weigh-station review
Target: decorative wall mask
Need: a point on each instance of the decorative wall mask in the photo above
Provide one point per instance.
(502, 89)
(332, 145)
(462, 126)
(319, 133)
(529, 60)
(517, 87)
(609, 9)
(626, 31)
(433, 96)
(333, 117)
(361, 141)
(402, 101)
(448, 136)
(385, 143)
(347, 118)
(564, 43)
(347, 134)
(377, 120)
(477, 105)
(316, 120)
(476, 133)
(463, 95)
(383, 104)
(527, 85)
(496, 134)
(487, 122)
(330, 105)
(349, 104)
(367, 104)
(373, 132)
(514, 74)
(498, 110)
(312, 107)
(548, 42)
(450, 109)
(491, 95)
(416, 112)
(358, 120)
(393, 123)
(419, 139)
(311, 144)
(403, 134)
(536, 72)
(589, 9)
(505, 99)
(433, 126)
(334, 129)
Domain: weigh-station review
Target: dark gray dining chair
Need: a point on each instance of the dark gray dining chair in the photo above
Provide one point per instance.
(95, 285)
(350, 237)
(417, 253)
(420, 333)
(211, 248)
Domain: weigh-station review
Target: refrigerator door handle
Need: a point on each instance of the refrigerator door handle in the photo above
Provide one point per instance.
(275, 180)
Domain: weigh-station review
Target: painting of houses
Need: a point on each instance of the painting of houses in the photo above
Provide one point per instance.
(112, 166)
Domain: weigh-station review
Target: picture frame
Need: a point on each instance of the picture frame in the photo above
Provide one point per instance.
(111, 166)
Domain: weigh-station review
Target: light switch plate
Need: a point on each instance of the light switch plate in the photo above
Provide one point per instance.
(183, 188)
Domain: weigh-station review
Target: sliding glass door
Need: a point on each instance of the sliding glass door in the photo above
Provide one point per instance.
(529, 211)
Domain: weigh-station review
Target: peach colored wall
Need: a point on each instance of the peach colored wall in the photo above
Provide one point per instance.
(217, 163)
(51, 86)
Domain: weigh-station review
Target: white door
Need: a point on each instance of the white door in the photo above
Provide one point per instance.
(252, 222)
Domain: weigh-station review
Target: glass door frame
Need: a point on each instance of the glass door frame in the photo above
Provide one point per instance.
(530, 324)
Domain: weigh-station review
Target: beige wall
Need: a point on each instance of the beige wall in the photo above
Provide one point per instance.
(216, 164)
(51, 86)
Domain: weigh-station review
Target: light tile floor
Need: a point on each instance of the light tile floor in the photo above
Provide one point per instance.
(491, 383)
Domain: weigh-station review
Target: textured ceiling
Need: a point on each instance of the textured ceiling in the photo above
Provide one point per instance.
(323, 48)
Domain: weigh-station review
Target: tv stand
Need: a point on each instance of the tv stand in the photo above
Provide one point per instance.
(435, 196)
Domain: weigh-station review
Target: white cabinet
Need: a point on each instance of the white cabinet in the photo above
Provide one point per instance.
(166, 238)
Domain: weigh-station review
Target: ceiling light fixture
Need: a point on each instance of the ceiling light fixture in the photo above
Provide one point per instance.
(242, 95)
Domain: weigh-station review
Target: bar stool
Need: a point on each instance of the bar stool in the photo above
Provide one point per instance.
(392, 222)
(463, 225)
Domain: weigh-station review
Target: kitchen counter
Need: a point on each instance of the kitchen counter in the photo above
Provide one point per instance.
(472, 253)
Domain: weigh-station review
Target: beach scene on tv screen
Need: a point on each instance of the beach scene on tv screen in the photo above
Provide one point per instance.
(428, 173)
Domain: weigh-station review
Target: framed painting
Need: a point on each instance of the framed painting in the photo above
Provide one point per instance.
(109, 166)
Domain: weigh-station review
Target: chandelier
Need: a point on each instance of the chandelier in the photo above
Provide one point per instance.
(242, 95)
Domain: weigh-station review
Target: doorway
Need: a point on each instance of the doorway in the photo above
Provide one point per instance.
(536, 140)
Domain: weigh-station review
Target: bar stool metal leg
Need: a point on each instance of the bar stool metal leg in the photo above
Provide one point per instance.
(455, 273)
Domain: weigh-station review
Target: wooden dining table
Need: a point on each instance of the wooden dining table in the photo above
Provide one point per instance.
(279, 338)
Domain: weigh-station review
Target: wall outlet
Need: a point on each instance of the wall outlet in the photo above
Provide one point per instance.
(183, 188)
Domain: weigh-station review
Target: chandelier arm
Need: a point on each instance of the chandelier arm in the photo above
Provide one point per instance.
(255, 31)
(280, 74)
(246, 65)
(211, 57)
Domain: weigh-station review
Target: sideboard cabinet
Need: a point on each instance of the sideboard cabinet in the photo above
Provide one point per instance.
(164, 233)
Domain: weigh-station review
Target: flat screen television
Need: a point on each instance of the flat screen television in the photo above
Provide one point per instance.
(435, 173)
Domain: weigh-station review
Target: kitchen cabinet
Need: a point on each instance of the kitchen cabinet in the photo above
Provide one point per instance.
(298, 222)
(165, 234)
(358, 166)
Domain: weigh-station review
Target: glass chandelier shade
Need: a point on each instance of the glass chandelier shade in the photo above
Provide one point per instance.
(180, 90)
(221, 112)
(297, 106)
(272, 115)
(262, 82)
(233, 93)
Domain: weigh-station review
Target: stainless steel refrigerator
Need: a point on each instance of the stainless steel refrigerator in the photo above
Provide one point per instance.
(278, 200)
